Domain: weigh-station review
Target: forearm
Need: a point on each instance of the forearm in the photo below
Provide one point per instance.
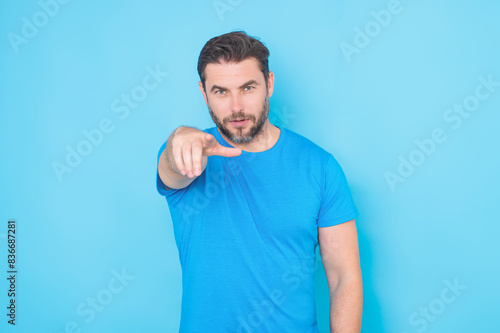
(346, 305)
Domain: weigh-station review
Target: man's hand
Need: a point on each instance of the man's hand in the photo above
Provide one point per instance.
(185, 156)
(190, 146)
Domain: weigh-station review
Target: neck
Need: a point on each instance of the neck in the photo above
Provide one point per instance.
(265, 140)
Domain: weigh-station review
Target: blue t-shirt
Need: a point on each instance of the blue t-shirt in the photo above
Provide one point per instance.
(246, 231)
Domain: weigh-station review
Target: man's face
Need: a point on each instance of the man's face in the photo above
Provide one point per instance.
(237, 98)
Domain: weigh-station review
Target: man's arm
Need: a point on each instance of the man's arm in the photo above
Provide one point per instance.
(338, 246)
(185, 156)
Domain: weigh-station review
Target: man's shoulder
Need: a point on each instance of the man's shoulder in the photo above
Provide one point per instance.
(303, 144)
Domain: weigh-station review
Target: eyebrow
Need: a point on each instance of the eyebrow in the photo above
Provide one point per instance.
(248, 83)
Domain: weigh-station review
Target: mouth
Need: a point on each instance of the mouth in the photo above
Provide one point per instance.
(239, 122)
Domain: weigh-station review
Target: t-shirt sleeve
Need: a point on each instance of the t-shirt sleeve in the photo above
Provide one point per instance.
(337, 205)
(159, 184)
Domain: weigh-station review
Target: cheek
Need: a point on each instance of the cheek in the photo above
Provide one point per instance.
(219, 104)
(220, 108)
(254, 103)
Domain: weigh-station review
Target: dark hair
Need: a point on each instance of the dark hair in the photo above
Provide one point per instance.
(233, 47)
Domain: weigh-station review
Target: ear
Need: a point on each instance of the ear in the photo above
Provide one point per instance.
(270, 83)
(203, 92)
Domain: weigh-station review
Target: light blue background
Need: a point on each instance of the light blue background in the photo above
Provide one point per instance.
(439, 225)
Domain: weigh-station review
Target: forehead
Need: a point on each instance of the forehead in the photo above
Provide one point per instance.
(233, 72)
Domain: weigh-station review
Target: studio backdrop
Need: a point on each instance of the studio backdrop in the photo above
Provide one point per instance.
(404, 93)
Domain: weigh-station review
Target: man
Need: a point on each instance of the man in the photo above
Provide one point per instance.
(250, 202)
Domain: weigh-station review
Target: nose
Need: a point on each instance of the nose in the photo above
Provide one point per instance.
(236, 103)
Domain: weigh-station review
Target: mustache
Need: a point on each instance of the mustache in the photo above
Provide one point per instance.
(238, 115)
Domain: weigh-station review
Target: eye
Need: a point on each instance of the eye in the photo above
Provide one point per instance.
(219, 92)
(248, 88)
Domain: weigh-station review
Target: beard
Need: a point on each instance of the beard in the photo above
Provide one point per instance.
(240, 136)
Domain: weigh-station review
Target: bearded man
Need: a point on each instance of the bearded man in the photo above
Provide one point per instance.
(250, 202)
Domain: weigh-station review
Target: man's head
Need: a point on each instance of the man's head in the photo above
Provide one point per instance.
(236, 83)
